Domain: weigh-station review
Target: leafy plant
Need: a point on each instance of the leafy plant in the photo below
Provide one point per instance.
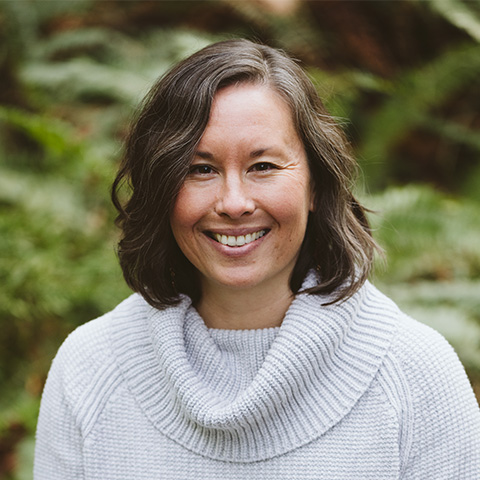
(74, 81)
(433, 261)
(411, 104)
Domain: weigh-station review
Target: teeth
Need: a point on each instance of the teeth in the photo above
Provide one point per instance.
(232, 241)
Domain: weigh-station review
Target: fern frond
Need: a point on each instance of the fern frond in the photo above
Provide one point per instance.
(414, 96)
(459, 14)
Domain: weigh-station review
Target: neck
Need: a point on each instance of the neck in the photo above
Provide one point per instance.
(248, 309)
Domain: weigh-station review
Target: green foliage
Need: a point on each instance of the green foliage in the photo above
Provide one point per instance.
(428, 236)
(53, 136)
(60, 146)
(411, 104)
(25, 455)
(342, 91)
(460, 13)
(433, 261)
(99, 65)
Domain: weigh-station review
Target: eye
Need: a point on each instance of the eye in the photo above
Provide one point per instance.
(200, 170)
(263, 167)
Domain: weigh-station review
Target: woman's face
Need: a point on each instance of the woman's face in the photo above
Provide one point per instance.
(241, 215)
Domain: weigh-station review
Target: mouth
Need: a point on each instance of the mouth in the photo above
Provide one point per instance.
(237, 241)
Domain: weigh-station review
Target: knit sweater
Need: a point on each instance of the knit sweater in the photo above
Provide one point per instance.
(355, 390)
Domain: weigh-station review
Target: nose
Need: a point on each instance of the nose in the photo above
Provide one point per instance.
(234, 199)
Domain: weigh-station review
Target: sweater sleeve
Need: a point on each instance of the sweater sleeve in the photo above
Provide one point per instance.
(58, 449)
(445, 442)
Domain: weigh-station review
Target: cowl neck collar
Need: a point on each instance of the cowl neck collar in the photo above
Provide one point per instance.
(320, 363)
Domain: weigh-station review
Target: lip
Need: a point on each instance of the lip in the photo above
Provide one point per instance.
(235, 232)
(237, 250)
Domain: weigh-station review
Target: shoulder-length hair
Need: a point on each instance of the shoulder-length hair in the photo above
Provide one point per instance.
(160, 148)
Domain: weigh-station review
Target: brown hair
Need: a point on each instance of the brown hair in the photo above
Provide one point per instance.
(159, 150)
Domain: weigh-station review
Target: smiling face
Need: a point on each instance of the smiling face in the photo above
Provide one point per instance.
(240, 216)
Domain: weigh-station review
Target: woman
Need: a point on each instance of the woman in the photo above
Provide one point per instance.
(254, 346)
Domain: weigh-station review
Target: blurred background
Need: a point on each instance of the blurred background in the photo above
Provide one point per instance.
(401, 77)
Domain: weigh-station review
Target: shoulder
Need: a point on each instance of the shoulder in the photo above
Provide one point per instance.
(425, 371)
(425, 358)
(437, 381)
(89, 345)
(416, 346)
(84, 373)
(438, 414)
(415, 339)
(425, 354)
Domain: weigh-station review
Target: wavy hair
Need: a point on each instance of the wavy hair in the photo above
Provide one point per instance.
(160, 147)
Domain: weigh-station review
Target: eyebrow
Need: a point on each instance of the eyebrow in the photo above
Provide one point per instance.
(254, 154)
(204, 155)
(259, 152)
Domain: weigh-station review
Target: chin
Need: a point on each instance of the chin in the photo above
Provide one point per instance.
(244, 279)
(238, 281)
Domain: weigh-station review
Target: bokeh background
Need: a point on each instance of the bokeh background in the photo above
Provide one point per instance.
(402, 77)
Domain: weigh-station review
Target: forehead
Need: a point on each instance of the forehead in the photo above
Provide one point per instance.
(250, 95)
(251, 106)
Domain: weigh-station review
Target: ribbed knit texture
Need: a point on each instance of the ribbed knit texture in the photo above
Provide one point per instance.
(349, 391)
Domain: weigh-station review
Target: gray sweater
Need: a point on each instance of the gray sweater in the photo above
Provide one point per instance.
(355, 390)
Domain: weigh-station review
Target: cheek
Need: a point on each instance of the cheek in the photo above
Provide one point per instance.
(191, 208)
(292, 204)
(188, 206)
(292, 218)
(183, 216)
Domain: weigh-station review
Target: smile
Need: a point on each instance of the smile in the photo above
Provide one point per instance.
(233, 241)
